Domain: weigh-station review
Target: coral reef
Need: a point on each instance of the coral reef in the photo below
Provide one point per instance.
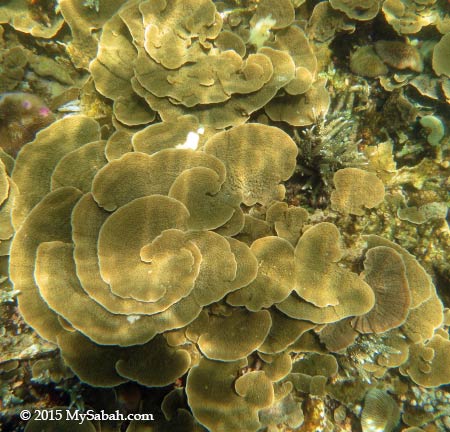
(231, 215)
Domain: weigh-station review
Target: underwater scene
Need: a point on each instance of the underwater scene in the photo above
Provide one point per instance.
(224, 216)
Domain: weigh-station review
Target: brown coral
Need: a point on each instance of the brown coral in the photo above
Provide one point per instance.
(441, 63)
(399, 55)
(359, 10)
(365, 62)
(182, 59)
(356, 189)
(386, 274)
(326, 291)
(8, 194)
(31, 17)
(429, 371)
(176, 264)
(173, 239)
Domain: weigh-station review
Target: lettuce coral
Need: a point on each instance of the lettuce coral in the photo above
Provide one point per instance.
(160, 217)
(179, 58)
(165, 244)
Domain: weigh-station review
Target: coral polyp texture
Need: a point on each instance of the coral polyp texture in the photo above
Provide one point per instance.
(181, 58)
(173, 220)
(223, 214)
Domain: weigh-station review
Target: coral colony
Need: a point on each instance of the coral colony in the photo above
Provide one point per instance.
(231, 215)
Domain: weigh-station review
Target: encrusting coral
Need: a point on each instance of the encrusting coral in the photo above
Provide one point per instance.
(162, 243)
